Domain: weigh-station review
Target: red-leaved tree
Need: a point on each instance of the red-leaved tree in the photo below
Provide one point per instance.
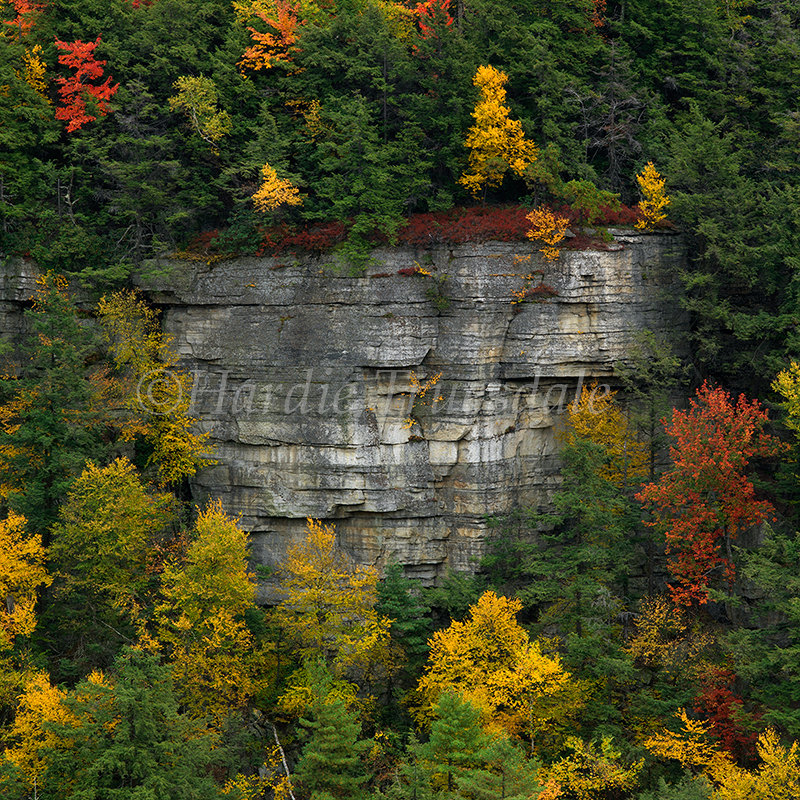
(703, 502)
(26, 13)
(75, 90)
(430, 13)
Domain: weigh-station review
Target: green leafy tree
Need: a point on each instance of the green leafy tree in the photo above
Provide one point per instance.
(197, 98)
(107, 531)
(773, 672)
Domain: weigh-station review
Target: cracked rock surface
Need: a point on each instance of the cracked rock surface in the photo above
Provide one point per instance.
(310, 381)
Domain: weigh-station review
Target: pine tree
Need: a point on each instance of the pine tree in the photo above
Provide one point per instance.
(330, 764)
(400, 600)
(458, 745)
(126, 737)
(53, 418)
(584, 554)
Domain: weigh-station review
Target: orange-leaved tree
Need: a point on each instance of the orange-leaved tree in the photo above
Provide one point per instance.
(26, 15)
(706, 498)
(81, 87)
(279, 43)
(497, 144)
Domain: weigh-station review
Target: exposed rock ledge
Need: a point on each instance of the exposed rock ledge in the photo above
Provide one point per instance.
(301, 375)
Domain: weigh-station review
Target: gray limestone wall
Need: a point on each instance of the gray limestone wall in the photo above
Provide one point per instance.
(304, 375)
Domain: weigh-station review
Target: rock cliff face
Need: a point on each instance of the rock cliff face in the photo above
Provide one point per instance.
(318, 387)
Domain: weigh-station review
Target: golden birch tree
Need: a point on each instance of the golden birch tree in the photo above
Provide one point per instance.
(197, 98)
(496, 143)
(654, 199)
(328, 607)
(490, 660)
(200, 624)
(596, 416)
(152, 393)
(275, 192)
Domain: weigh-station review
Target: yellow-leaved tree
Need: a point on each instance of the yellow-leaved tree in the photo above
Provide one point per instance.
(40, 705)
(153, 393)
(275, 192)
(597, 417)
(496, 143)
(22, 573)
(491, 662)
(197, 98)
(548, 228)
(201, 622)
(328, 607)
(693, 746)
(35, 69)
(654, 199)
(592, 771)
(22, 576)
(787, 384)
(104, 542)
(777, 776)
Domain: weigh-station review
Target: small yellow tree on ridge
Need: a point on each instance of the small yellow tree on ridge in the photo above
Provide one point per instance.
(654, 200)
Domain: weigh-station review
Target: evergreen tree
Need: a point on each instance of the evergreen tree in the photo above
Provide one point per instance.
(400, 600)
(457, 747)
(584, 554)
(331, 764)
(123, 736)
(52, 419)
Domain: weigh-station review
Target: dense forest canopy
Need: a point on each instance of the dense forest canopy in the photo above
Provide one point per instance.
(134, 660)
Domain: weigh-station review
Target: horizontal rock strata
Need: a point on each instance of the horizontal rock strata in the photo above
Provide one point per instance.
(310, 381)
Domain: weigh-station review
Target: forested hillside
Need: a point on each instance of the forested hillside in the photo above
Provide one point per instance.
(134, 659)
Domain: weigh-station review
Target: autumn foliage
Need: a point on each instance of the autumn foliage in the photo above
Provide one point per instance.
(429, 13)
(275, 192)
(279, 43)
(706, 499)
(654, 199)
(549, 229)
(492, 662)
(26, 13)
(81, 87)
(496, 142)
